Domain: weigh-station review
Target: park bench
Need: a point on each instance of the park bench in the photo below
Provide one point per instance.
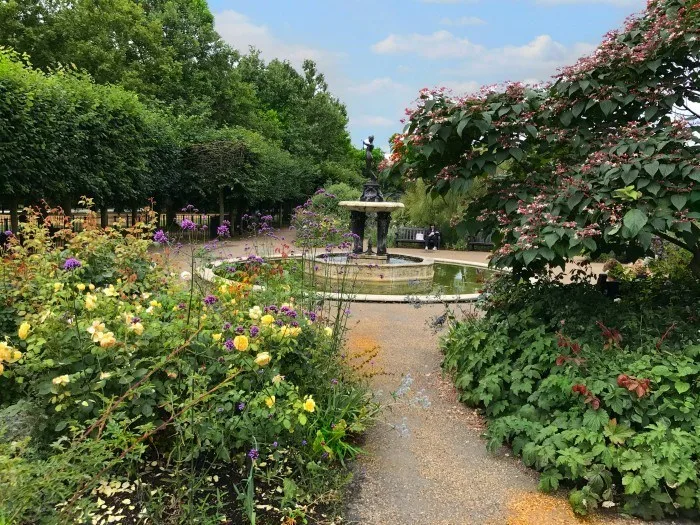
(413, 235)
(480, 240)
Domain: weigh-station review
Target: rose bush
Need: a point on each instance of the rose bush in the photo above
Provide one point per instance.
(107, 348)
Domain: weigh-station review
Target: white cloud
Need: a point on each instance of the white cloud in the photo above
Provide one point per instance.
(537, 59)
(618, 3)
(378, 85)
(239, 31)
(374, 121)
(441, 44)
(463, 21)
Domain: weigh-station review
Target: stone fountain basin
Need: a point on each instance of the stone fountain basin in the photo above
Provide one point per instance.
(372, 274)
(370, 207)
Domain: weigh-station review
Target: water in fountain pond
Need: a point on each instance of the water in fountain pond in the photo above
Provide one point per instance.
(393, 259)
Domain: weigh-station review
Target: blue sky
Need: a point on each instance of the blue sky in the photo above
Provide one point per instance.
(377, 55)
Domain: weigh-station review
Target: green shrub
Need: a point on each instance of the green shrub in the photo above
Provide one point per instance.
(111, 363)
(600, 396)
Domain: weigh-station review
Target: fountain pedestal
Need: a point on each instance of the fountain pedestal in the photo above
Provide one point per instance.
(358, 219)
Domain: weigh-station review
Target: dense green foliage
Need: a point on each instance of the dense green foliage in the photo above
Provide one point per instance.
(600, 159)
(159, 105)
(600, 395)
(116, 369)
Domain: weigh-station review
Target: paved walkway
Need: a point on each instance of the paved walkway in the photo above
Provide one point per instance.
(426, 460)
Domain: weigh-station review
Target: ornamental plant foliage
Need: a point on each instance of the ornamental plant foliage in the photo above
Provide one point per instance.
(130, 390)
(599, 159)
(599, 396)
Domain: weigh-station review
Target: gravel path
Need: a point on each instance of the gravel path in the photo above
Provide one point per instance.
(426, 461)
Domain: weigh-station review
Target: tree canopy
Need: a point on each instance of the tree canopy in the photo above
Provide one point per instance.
(603, 157)
(124, 100)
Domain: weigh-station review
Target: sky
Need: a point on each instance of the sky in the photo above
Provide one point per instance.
(377, 54)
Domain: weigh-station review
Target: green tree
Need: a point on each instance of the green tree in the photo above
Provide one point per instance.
(596, 159)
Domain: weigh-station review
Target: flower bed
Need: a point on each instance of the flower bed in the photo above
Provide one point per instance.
(130, 392)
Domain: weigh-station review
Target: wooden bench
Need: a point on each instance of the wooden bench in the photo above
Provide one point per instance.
(480, 240)
(408, 234)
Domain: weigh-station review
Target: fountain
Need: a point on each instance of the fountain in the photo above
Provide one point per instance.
(373, 272)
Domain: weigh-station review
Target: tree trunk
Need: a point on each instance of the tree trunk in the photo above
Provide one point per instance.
(104, 217)
(67, 206)
(222, 206)
(695, 263)
(134, 216)
(14, 218)
(170, 213)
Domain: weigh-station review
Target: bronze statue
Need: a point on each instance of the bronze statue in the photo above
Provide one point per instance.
(368, 145)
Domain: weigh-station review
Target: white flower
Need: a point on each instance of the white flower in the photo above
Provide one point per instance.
(185, 276)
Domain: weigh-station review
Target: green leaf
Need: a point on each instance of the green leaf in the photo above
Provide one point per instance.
(460, 127)
(566, 118)
(682, 387)
(549, 480)
(634, 484)
(652, 167)
(608, 106)
(634, 220)
(679, 200)
(302, 419)
(650, 112)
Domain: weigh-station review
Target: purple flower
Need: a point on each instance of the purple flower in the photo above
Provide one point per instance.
(240, 330)
(275, 444)
(224, 230)
(226, 326)
(294, 324)
(160, 237)
(229, 344)
(210, 299)
(254, 331)
(312, 316)
(9, 233)
(72, 264)
(334, 381)
(188, 225)
(253, 454)
(181, 306)
(135, 320)
(241, 406)
(279, 322)
(303, 442)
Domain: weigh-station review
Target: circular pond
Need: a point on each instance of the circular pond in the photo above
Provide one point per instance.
(446, 279)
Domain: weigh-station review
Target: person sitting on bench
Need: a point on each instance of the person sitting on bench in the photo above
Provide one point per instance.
(431, 238)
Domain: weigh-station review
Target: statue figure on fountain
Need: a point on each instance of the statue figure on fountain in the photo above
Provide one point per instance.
(370, 191)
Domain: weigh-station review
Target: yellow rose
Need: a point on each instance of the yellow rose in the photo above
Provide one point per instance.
(23, 331)
(90, 301)
(277, 379)
(155, 304)
(267, 320)
(295, 331)
(57, 287)
(216, 337)
(262, 359)
(110, 291)
(107, 340)
(270, 401)
(92, 287)
(137, 328)
(95, 330)
(61, 380)
(5, 351)
(240, 343)
(328, 331)
(309, 404)
(80, 287)
(2, 369)
(15, 355)
(223, 289)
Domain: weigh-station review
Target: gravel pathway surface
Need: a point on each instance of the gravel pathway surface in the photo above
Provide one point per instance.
(426, 461)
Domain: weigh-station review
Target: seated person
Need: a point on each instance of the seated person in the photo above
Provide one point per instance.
(432, 238)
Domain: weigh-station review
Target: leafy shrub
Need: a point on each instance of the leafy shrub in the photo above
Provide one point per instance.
(599, 396)
(126, 363)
